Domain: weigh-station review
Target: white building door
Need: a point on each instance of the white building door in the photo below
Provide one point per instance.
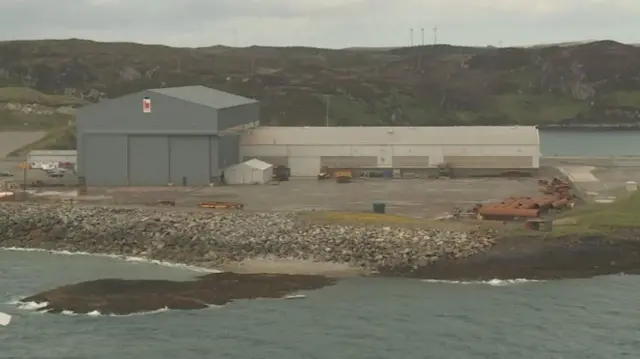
(304, 166)
(385, 156)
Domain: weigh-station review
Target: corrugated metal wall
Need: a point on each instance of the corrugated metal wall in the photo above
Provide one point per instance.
(349, 161)
(105, 160)
(410, 161)
(189, 158)
(148, 160)
(489, 161)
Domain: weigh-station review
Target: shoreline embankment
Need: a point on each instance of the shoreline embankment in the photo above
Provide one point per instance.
(240, 241)
(287, 243)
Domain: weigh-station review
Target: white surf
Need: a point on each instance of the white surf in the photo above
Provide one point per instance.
(5, 319)
(492, 282)
(117, 257)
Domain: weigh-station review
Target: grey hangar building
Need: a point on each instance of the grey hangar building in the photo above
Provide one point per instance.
(157, 137)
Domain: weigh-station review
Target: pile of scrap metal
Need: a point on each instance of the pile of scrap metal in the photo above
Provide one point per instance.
(556, 187)
(557, 196)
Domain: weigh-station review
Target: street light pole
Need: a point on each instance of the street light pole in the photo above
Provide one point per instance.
(326, 112)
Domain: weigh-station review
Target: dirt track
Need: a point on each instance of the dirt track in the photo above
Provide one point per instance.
(11, 141)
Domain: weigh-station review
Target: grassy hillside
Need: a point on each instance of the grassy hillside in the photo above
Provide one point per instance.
(26, 109)
(428, 85)
(592, 83)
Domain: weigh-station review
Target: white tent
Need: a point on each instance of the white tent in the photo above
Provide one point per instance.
(250, 172)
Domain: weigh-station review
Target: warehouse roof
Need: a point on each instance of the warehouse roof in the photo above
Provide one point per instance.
(374, 136)
(206, 96)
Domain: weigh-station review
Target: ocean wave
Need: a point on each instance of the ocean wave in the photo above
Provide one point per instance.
(492, 282)
(31, 305)
(119, 257)
(96, 313)
(38, 306)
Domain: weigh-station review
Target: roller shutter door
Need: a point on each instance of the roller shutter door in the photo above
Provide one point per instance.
(489, 161)
(148, 160)
(349, 161)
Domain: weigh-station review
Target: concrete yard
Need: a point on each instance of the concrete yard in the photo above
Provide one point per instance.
(599, 178)
(410, 197)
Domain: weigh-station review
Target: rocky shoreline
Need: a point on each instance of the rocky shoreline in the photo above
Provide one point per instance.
(211, 239)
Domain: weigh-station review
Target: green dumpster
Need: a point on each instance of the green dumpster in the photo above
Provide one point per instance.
(379, 207)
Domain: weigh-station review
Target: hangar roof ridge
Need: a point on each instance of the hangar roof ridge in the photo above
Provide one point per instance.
(206, 96)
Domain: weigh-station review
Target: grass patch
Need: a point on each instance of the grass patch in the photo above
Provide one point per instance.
(25, 95)
(623, 214)
(63, 138)
(538, 109)
(340, 217)
(392, 220)
(623, 98)
(20, 121)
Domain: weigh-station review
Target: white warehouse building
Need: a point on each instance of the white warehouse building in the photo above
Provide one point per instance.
(477, 150)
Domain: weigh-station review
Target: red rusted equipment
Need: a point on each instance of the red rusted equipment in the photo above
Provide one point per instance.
(221, 205)
(556, 187)
(561, 203)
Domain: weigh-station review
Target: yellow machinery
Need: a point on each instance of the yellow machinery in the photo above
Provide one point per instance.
(343, 176)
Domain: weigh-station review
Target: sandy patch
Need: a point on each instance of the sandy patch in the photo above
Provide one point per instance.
(291, 266)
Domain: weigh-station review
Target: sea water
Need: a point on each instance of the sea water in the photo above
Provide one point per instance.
(358, 318)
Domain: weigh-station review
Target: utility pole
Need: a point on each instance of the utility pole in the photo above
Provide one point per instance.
(435, 35)
(422, 33)
(411, 37)
(327, 100)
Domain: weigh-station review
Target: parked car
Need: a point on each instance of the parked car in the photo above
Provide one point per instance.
(57, 173)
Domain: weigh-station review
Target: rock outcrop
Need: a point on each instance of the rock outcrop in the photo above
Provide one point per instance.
(120, 296)
(211, 239)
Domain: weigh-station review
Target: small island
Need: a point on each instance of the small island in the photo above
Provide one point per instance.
(121, 296)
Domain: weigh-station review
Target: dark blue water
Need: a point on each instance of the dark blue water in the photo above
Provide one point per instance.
(357, 319)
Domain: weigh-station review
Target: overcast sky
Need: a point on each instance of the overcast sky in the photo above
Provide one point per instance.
(322, 23)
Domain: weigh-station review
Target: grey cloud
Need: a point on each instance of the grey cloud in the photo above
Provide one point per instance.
(134, 14)
(330, 23)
